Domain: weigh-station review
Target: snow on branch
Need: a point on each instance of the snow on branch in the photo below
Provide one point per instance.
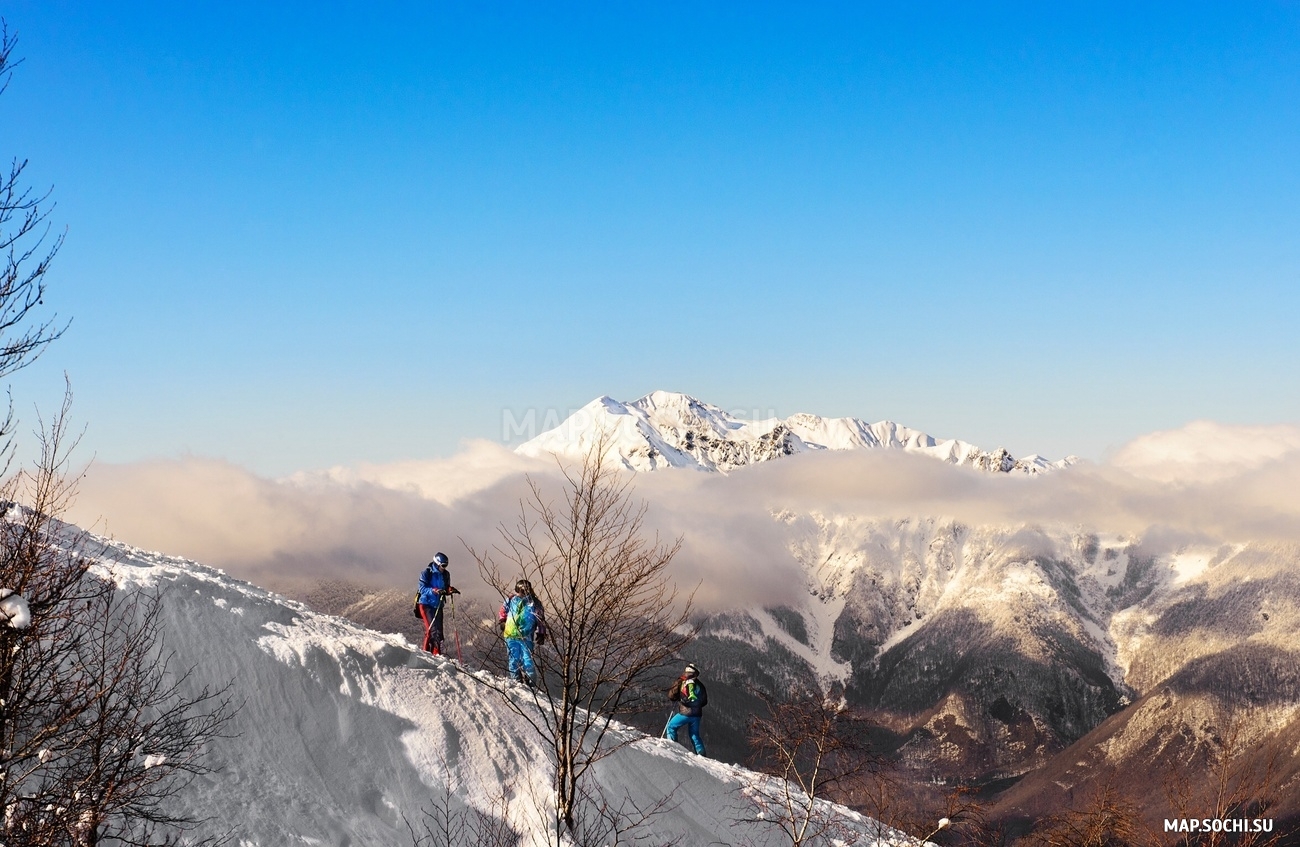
(14, 609)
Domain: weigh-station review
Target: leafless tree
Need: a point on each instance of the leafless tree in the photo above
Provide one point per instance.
(613, 614)
(28, 248)
(608, 820)
(809, 749)
(899, 801)
(1241, 779)
(448, 823)
(98, 730)
(1105, 819)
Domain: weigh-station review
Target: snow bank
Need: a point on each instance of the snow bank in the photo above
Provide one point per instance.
(344, 734)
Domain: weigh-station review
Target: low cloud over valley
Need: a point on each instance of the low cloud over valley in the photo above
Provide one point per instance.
(379, 524)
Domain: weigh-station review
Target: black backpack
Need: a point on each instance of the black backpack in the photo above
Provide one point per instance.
(415, 609)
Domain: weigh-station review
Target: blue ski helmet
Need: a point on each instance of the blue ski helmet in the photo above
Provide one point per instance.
(440, 559)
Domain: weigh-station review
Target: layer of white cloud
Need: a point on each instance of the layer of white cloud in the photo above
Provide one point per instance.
(1205, 451)
(380, 524)
(478, 465)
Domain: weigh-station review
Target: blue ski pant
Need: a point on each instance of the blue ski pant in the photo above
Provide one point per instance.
(520, 655)
(692, 725)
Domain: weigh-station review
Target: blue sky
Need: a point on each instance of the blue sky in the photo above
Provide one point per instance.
(316, 234)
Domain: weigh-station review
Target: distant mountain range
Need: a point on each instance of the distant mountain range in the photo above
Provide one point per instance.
(670, 430)
(1036, 662)
(1051, 659)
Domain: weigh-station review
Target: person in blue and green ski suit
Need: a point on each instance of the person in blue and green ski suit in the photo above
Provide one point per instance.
(523, 623)
(435, 587)
(691, 698)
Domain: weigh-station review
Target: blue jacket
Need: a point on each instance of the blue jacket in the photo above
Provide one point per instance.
(432, 583)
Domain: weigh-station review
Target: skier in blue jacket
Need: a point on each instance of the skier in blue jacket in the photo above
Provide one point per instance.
(435, 587)
(691, 698)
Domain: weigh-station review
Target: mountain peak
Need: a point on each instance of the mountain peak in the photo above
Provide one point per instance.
(666, 429)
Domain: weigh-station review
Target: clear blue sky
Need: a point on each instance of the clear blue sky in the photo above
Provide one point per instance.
(302, 235)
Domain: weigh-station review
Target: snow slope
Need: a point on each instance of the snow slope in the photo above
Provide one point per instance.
(345, 734)
(669, 430)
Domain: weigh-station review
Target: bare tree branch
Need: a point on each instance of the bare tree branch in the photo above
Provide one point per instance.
(98, 730)
(807, 749)
(28, 248)
(613, 615)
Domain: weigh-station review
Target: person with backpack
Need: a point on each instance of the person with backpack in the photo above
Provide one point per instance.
(435, 588)
(523, 623)
(688, 693)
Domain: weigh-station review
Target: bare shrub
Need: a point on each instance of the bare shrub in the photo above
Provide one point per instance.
(613, 615)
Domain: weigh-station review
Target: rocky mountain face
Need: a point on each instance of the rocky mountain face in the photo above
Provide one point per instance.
(1216, 729)
(668, 430)
(985, 652)
(1217, 739)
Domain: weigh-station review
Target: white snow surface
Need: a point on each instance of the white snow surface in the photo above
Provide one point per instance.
(14, 609)
(344, 734)
(671, 430)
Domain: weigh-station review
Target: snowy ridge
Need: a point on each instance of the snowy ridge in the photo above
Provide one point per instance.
(670, 430)
(346, 734)
(992, 648)
(988, 648)
(901, 574)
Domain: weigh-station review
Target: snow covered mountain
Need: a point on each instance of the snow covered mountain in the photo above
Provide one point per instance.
(669, 430)
(1218, 723)
(987, 651)
(345, 734)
